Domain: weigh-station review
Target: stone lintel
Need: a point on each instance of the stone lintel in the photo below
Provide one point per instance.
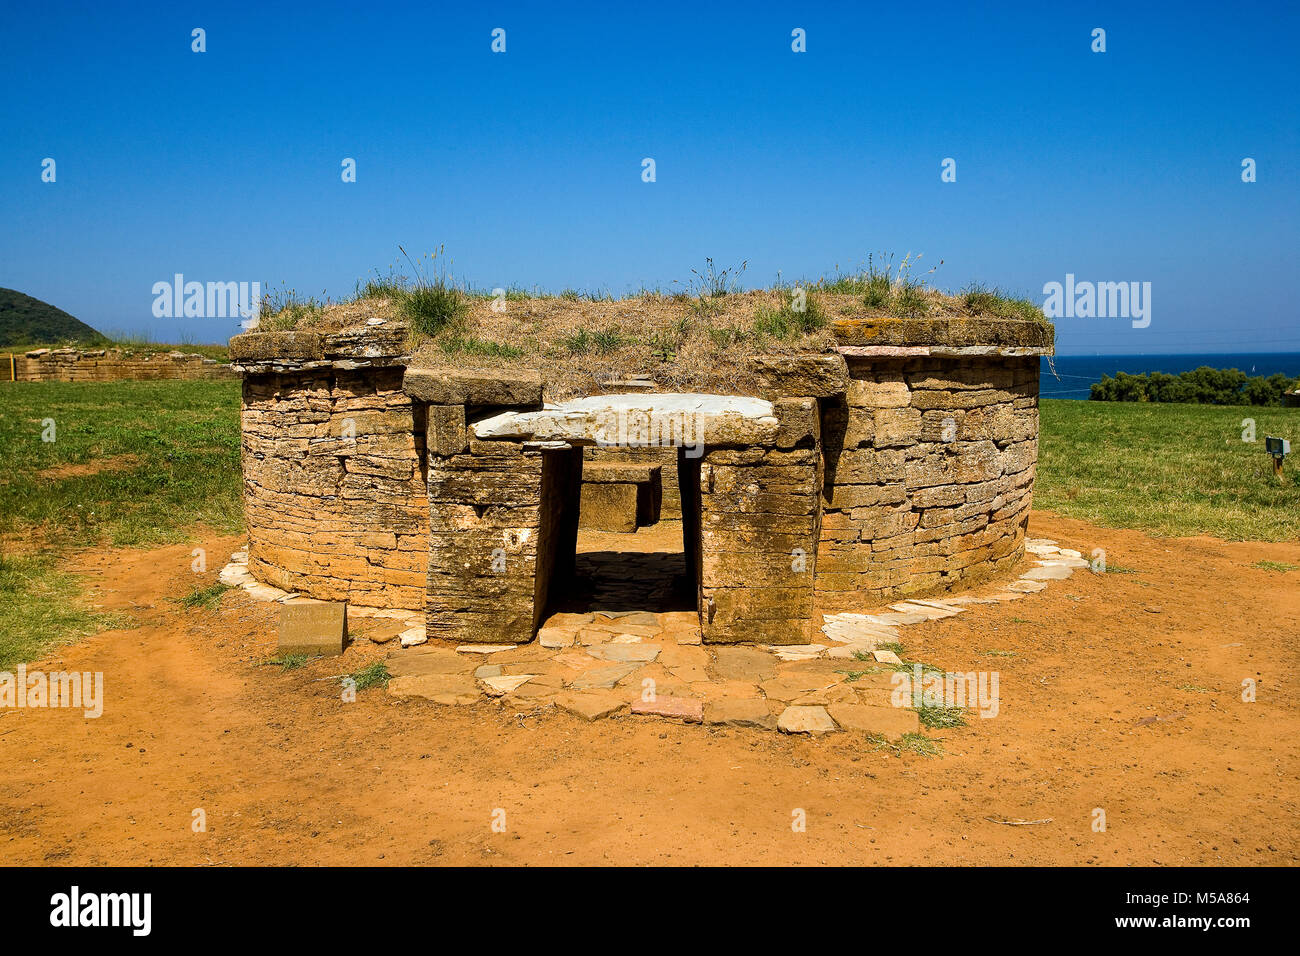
(489, 387)
(642, 419)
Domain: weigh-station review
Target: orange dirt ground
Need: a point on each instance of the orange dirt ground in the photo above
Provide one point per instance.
(1124, 693)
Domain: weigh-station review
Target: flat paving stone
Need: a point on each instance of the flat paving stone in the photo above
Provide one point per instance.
(590, 705)
(688, 673)
(378, 632)
(928, 612)
(562, 619)
(857, 630)
(427, 659)
(484, 648)
(834, 694)
(886, 657)
(625, 653)
(1047, 572)
(454, 689)
(788, 687)
(748, 664)
(903, 617)
(504, 684)
(618, 627)
(679, 620)
(805, 720)
(891, 722)
(602, 678)
(555, 637)
(689, 709)
(637, 619)
(739, 712)
(798, 652)
(1026, 586)
(850, 651)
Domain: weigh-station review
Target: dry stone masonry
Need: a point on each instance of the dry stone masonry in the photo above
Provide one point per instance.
(899, 465)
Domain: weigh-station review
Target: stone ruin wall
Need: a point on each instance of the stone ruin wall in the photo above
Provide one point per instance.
(109, 365)
(334, 492)
(930, 470)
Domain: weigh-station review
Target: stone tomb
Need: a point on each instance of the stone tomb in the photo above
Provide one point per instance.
(899, 465)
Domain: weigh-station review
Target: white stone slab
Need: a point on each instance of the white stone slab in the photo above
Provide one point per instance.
(1047, 572)
(797, 652)
(497, 686)
(640, 419)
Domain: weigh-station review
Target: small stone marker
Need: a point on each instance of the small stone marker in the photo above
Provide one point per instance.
(319, 628)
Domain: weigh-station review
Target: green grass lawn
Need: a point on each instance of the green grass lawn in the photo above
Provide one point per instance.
(168, 454)
(172, 456)
(1169, 469)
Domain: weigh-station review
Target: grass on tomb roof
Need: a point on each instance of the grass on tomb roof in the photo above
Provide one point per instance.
(696, 336)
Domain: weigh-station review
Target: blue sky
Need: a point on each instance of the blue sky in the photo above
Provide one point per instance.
(225, 165)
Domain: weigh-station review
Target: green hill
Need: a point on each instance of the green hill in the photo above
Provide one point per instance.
(28, 321)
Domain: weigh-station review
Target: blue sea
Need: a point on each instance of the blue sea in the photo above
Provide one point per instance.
(1076, 373)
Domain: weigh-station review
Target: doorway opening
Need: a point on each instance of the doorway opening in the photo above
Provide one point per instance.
(637, 542)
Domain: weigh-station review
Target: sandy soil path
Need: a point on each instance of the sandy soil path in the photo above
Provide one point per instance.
(1120, 692)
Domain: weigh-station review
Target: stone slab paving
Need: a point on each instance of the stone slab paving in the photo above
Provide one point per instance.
(644, 665)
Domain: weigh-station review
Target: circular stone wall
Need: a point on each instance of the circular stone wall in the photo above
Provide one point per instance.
(924, 434)
(930, 465)
(333, 492)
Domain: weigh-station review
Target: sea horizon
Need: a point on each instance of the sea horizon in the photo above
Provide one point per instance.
(1072, 376)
